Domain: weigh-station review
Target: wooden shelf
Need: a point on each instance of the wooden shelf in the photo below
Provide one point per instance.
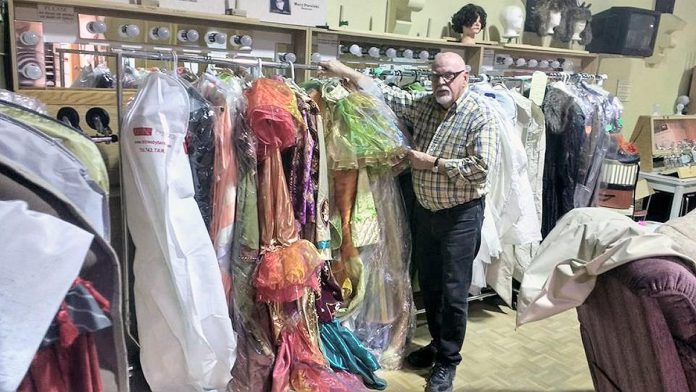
(472, 54)
(585, 62)
(550, 50)
(396, 38)
(163, 14)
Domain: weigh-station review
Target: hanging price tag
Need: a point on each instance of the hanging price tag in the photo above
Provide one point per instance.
(538, 89)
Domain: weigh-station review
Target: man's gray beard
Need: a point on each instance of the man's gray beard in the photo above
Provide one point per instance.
(444, 100)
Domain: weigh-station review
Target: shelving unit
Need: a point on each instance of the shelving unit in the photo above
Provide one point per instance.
(270, 39)
(583, 62)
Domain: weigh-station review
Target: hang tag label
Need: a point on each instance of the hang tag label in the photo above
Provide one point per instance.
(538, 89)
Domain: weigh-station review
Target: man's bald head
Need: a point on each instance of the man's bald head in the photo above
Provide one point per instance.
(450, 78)
(449, 58)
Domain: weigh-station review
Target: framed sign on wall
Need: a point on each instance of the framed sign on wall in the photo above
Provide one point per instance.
(298, 12)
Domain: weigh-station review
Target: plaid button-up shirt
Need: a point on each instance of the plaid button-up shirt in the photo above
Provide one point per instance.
(465, 138)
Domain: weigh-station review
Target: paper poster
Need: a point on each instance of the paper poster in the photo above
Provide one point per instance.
(298, 12)
(55, 13)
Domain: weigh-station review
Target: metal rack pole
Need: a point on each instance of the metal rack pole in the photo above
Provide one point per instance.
(248, 61)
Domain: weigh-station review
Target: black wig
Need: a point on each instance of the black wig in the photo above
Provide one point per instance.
(467, 16)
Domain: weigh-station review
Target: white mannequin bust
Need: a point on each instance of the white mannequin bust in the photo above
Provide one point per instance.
(553, 21)
(512, 18)
(578, 27)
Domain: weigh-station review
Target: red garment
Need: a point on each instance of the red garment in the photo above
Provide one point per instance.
(283, 274)
(59, 368)
(272, 113)
(300, 365)
(72, 363)
(224, 198)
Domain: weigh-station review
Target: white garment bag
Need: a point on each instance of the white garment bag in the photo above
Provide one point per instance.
(38, 250)
(186, 336)
(22, 145)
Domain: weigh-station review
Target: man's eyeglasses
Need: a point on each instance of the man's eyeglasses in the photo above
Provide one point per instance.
(447, 76)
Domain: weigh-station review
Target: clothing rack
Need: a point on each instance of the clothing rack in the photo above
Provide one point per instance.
(174, 56)
(259, 64)
(569, 76)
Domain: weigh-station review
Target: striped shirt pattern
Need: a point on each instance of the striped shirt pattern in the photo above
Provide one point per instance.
(465, 138)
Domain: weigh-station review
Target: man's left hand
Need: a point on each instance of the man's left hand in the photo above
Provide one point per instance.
(420, 160)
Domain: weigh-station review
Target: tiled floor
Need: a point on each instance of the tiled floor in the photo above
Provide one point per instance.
(542, 356)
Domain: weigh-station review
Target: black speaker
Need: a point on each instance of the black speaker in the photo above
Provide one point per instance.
(664, 6)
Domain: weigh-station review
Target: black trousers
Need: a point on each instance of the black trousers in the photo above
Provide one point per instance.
(446, 243)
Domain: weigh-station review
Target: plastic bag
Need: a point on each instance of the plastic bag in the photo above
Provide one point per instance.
(284, 273)
(94, 77)
(272, 112)
(384, 322)
(255, 350)
(301, 365)
(133, 77)
(364, 132)
(345, 352)
(224, 182)
(24, 101)
(364, 224)
(200, 147)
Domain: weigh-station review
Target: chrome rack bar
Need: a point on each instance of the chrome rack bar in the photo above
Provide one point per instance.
(191, 57)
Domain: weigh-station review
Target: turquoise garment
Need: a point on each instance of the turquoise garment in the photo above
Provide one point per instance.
(344, 351)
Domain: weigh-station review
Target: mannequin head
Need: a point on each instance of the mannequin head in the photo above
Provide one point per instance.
(553, 21)
(469, 21)
(512, 18)
(547, 15)
(578, 28)
(575, 25)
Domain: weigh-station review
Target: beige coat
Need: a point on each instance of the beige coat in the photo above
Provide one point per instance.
(587, 242)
